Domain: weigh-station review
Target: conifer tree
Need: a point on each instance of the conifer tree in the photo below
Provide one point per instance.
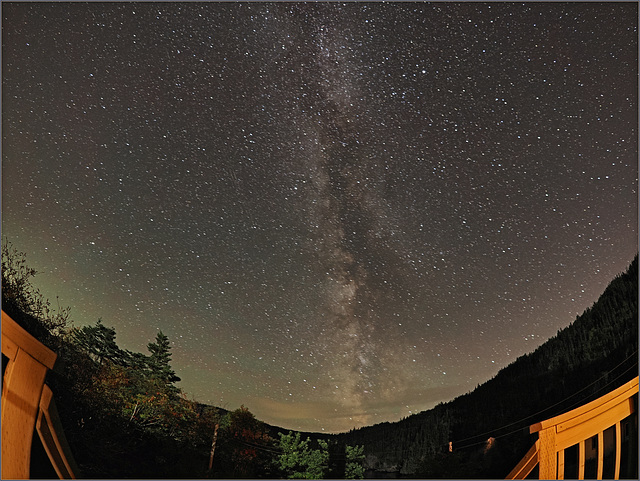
(159, 363)
(99, 342)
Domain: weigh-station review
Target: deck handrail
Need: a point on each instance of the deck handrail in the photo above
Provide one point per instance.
(52, 436)
(574, 428)
(527, 463)
(27, 403)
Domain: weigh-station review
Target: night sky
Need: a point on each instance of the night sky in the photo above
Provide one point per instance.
(339, 214)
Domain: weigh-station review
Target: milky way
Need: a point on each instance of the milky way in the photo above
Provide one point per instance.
(339, 213)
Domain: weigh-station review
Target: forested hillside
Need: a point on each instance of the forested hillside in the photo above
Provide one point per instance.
(595, 354)
(124, 417)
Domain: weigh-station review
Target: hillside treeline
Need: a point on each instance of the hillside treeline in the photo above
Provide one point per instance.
(595, 354)
(124, 416)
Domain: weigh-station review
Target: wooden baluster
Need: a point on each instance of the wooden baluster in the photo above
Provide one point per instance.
(618, 450)
(581, 460)
(561, 464)
(600, 454)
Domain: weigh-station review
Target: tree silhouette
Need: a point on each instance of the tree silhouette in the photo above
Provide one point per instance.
(24, 302)
(247, 438)
(99, 342)
(159, 363)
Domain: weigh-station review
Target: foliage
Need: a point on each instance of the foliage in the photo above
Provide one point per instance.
(299, 461)
(99, 342)
(355, 462)
(248, 438)
(24, 303)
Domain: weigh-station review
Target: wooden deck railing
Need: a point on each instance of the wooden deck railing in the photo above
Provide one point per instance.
(557, 434)
(27, 403)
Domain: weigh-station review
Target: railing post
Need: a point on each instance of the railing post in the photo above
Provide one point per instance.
(548, 457)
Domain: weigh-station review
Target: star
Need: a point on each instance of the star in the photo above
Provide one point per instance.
(346, 211)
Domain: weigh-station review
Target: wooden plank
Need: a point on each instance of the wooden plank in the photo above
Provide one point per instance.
(526, 464)
(21, 394)
(618, 450)
(529, 466)
(27, 342)
(561, 464)
(600, 454)
(53, 439)
(612, 403)
(9, 348)
(618, 395)
(548, 453)
(580, 460)
(591, 427)
(7, 375)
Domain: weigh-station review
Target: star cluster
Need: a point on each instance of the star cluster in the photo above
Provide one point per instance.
(339, 213)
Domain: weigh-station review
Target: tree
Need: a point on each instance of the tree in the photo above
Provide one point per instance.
(299, 461)
(317, 461)
(109, 392)
(138, 365)
(247, 437)
(99, 342)
(159, 361)
(355, 462)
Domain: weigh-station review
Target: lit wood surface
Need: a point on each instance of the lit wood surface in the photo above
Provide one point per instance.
(575, 427)
(51, 434)
(22, 385)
